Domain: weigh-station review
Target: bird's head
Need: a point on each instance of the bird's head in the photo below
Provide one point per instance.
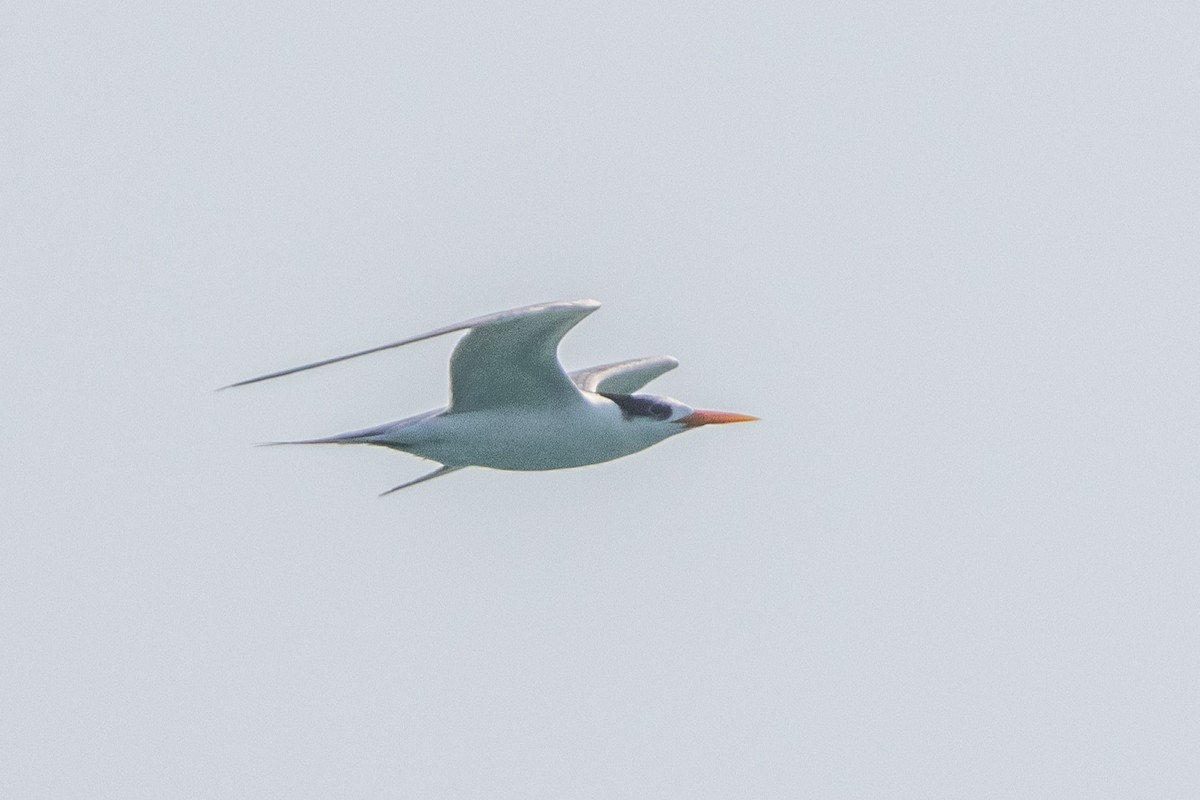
(668, 416)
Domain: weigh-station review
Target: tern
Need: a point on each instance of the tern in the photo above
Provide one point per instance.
(514, 407)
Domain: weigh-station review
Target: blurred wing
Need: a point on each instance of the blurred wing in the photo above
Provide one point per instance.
(623, 377)
(511, 359)
(577, 310)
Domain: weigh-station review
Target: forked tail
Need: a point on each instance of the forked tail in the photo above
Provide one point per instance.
(344, 438)
(365, 436)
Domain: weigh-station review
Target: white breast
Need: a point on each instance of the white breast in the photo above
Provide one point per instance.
(523, 439)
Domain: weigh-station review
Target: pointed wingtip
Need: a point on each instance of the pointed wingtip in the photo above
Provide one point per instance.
(437, 473)
(255, 380)
(242, 383)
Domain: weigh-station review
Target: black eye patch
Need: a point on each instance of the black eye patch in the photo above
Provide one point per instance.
(633, 406)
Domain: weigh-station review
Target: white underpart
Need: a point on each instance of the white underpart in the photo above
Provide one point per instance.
(526, 439)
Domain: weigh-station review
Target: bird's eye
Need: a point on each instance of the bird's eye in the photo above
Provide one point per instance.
(660, 411)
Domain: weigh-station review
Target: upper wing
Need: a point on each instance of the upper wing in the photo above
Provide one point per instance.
(512, 359)
(623, 377)
(549, 320)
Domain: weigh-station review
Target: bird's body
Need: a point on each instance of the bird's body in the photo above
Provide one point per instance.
(515, 438)
(513, 407)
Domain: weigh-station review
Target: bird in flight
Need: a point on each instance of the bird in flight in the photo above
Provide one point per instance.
(514, 407)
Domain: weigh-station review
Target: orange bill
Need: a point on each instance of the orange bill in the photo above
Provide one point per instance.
(701, 417)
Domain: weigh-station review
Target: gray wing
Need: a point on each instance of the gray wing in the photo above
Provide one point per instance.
(623, 377)
(525, 339)
(437, 473)
(511, 360)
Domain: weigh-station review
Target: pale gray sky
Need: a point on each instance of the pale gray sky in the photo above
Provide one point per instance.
(947, 252)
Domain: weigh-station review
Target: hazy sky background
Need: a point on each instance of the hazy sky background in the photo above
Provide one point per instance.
(948, 252)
